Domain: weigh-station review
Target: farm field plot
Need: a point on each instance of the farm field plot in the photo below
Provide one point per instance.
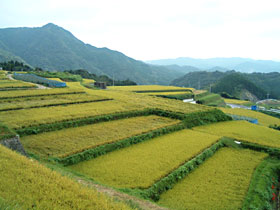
(263, 119)
(140, 165)
(166, 93)
(23, 103)
(70, 141)
(235, 101)
(135, 99)
(15, 84)
(29, 185)
(243, 130)
(221, 182)
(29, 117)
(36, 92)
(148, 88)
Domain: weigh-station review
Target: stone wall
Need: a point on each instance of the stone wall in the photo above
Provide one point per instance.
(14, 144)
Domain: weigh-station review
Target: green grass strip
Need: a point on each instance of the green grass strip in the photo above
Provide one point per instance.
(263, 185)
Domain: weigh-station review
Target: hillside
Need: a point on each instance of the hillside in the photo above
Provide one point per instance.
(53, 48)
(238, 86)
(261, 83)
(245, 65)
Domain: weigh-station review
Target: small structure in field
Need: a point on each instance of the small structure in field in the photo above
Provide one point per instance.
(101, 85)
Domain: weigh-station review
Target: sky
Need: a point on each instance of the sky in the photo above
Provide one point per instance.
(159, 29)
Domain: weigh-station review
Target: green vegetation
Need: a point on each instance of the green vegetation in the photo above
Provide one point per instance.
(65, 76)
(263, 186)
(5, 132)
(235, 84)
(101, 78)
(221, 182)
(231, 84)
(15, 66)
(210, 99)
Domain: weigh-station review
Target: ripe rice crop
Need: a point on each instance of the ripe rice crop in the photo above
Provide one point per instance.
(23, 103)
(36, 92)
(70, 141)
(12, 84)
(235, 101)
(29, 185)
(263, 119)
(29, 117)
(147, 88)
(243, 130)
(221, 182)
(135, 99)
(165, 93)
(140, 165)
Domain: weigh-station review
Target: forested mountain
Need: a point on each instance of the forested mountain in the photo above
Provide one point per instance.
(53, 48)
(259, 84)
(245, 65)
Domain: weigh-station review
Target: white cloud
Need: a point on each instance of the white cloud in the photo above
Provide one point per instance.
(151, 29)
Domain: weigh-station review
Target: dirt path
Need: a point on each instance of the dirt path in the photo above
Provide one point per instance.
(145, 205)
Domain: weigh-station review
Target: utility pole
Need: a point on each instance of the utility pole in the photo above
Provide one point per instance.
(267, 95)
(113, 78)
(198, 84)
(210, 87)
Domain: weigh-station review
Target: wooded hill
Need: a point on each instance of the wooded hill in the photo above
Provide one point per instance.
(233, 83)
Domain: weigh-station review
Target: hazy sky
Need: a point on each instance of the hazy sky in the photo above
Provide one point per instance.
(156, 29)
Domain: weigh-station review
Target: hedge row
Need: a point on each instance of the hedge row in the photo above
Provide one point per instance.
(203, 118)
(175, 176)
(58, 104)
(39, 95)
(106, 148)
(178, 96)
(263, 187)
(6, 133)
(271, 151)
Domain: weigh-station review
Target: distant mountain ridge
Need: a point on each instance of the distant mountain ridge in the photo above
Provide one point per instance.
(53, 48)
(260, 84)
(246, 65)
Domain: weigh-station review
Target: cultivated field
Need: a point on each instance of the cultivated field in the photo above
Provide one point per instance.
(139, 166)
(243, 130)
(73, 140)
(219, 183)
(263, 119)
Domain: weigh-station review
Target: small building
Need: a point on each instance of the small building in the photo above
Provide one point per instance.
(101, 85)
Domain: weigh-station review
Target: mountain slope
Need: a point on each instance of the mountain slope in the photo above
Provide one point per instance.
(239, 86)
(53, 48)
(264, 82)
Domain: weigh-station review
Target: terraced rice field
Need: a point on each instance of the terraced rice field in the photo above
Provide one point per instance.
(73, 140)
(235, 101)
(166, 93)
(27, 184)
(24, 103)
(15, 84)
(221, 182)
(263, 119)
(34, 93)
(243, 130)
(140, 165)
(29, 117)
(151, 88)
